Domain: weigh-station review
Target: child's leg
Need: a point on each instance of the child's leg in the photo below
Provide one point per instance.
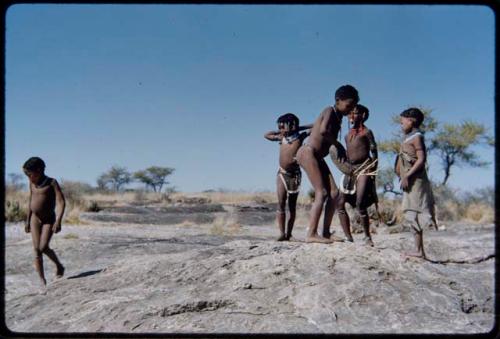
(308, 161)
(36, 229)
(362, 187)
(411, 218)
(44, 248)
(344, 217)
(281, 213)
(292, 207)
(330, 199)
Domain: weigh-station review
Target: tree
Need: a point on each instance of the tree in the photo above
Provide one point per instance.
(391, 146)
(116, 177)
(154, 177)
(15, 182)
(453, 143)
(385, 181)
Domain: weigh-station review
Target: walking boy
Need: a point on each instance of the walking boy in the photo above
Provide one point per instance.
(45, 197)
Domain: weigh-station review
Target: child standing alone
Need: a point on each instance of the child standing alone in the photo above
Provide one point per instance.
(45, 212)
(418, 200)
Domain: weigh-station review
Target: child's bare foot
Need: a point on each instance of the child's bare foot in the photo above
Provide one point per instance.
(318, 239)
(336, 239)
(368, 241)
(349, 239)
(332, 237)
(417, 255)
(60, 272)
(282, 238)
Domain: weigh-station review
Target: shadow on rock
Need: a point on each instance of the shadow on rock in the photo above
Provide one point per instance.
(85, 274)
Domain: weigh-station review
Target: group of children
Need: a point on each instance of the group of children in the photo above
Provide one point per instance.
(300, 147)
(358, 163)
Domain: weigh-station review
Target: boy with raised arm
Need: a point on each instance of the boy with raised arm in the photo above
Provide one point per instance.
(289, 175)
(311, 155)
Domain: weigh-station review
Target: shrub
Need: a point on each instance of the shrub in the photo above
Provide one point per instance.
(14, 212)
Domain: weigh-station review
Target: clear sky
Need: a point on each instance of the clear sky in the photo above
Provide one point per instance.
(195, 87)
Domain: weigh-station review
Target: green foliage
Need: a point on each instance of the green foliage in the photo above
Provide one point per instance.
(115, 178)
(453, 144)
(154, 177)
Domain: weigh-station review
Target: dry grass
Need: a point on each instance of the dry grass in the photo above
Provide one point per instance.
(225, 225)
(71, 236)
(16, 205)
(479, 213)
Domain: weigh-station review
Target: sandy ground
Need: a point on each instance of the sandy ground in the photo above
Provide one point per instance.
(227, 274)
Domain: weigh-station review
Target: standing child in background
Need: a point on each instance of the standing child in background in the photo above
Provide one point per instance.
(418, 200)
(358, 188)
(45, 212)
(289, 174)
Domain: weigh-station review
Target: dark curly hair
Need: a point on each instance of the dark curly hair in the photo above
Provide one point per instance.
(347, 92)
(414, 113)
(33, 164)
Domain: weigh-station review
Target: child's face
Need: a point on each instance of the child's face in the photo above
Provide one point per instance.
(34, 176)
(355, 118)
(345, 106)
(287, 129)
(407, 124)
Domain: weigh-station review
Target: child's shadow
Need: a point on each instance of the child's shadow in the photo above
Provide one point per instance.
(85, 274)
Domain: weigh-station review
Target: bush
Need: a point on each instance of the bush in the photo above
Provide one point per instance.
(93, 206)
(14, 212)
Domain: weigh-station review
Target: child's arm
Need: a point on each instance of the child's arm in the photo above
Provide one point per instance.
(301, 128)
(273, 136)
(27, 227)
(60, 206)
(373, 146)
(397, 166)
(324, 126)
(418, 143)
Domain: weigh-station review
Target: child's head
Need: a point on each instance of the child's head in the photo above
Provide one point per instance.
(34, 168)
(288, 122)
(358, 115)
(346, 97)
(411, 118)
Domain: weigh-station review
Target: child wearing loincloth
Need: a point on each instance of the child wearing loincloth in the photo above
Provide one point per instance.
(45, 212)
(289, 175)
(358, 187)
(311, 155)
(418, 199)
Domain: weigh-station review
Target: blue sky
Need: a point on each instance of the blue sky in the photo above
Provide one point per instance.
(195, 87)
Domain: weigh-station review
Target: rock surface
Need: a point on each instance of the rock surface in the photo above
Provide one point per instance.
(137, 278)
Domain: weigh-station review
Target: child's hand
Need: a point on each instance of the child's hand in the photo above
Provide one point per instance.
(27, 228)
(56, 228)
(404, 182)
